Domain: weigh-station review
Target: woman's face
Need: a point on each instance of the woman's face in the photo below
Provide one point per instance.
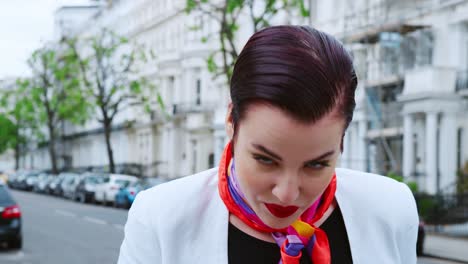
(282, 165)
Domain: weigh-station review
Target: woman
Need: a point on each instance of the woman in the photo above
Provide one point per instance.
(276, 196)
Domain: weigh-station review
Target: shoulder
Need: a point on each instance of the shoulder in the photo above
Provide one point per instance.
(182, 197)
(370, 182)
(184, 187)
(373, 190)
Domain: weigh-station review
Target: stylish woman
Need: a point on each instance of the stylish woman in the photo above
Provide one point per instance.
(277, 196)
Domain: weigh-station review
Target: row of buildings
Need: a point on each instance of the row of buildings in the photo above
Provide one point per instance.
(412, 102)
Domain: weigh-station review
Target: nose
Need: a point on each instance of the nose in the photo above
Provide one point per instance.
(287, 189)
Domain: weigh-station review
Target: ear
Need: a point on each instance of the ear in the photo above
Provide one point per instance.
(229, 123)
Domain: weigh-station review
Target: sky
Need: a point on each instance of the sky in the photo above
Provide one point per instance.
(24, 26)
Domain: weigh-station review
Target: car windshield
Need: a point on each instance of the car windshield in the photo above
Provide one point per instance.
(122, 183)
(92, 180)
(150, 182)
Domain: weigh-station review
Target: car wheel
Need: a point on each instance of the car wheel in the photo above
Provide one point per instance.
(17, 243)
(81, 198)
(104, 200)
(127, 205)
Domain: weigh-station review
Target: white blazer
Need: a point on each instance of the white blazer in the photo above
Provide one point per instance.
(185, 221)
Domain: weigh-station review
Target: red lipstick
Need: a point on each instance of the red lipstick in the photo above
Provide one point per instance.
(281, 211)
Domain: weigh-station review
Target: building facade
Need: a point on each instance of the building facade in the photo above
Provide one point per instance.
(412, 61)
(411, 58)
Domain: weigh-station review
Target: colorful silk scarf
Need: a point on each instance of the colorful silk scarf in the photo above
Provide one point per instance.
(291, 240)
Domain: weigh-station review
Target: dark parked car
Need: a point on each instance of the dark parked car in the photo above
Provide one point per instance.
(10, 219)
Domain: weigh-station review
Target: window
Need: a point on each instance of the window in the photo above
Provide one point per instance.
(211, 160)
(194, 156)
(198, 95)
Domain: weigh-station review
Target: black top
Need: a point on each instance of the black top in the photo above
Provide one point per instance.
(245, 249)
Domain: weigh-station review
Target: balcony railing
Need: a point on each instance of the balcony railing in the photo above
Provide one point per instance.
(462, 81)
(192, 107)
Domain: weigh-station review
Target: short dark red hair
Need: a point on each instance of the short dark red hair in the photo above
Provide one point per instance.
(305, 72)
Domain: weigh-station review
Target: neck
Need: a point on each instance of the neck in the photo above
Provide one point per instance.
(239, 224)
(235, 221)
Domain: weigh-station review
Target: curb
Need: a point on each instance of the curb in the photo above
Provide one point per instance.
(445, 258)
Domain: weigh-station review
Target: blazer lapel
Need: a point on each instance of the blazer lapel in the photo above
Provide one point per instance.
(351, 219)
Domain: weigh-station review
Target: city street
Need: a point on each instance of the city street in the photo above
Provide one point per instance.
(61, 231)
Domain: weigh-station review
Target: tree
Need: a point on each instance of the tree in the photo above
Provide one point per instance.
(110, 69)
(18, 118)
(226, 14)
(54, 91)
(462, 179)
(7, 133)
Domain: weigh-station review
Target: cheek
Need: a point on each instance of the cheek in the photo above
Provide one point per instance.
(252, 181)
(316, 184)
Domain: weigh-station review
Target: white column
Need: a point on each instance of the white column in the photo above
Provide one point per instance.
(219, 145)
(448, 152)
(354, 159)
(362, 130)
(164, 150)
(408, 145)
(171, 150)
(431, 152)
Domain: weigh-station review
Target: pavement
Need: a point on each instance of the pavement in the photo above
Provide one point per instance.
(446, 247)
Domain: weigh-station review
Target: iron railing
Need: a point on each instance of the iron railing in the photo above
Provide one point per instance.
(192, 107)
(443, 209)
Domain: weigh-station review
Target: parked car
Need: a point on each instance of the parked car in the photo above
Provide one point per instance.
(10, 219)
(26, 180)
(69, 183)
(105, 192)
(43, 181)
(54, 187)
(126, 195)
(15, 181)
(86, 187)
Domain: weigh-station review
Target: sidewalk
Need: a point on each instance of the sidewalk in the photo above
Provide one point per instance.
(446, 247)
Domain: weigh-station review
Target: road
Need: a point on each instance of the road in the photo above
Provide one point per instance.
(61, 231)
(57, 231)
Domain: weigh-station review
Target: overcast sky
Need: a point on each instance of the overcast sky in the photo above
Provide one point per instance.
(24, 25)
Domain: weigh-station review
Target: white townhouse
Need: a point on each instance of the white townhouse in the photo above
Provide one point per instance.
(411, 58)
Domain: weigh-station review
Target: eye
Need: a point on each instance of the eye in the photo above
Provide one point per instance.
(264, 160)
(317, 165)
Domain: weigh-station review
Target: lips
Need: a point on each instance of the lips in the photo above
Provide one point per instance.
(281, 211)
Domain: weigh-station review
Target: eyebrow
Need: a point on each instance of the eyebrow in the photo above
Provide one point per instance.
(277, 157)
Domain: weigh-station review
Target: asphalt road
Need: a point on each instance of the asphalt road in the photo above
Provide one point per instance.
(58, 231)
(61, 231)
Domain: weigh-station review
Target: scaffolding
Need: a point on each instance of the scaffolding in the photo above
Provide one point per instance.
(385, 45)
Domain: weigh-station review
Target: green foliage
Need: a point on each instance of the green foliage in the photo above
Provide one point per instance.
(212, 67)
(7, 133)
(110, 76)
(18, 116)
(226, 13)
(413, 186)
(428, 206)
(55, 88)
(190, 5)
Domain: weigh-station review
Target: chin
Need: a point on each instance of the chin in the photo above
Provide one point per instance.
(279, 223)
